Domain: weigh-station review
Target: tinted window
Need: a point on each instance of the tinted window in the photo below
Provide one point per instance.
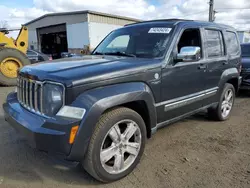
(215, 47)
(190, 37)
(119, 42)
(140, 41)
(245, 50)
(232, 43)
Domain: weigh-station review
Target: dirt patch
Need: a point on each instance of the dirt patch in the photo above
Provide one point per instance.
(194, 153)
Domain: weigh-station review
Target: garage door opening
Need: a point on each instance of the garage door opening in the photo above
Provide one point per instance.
(53, 40)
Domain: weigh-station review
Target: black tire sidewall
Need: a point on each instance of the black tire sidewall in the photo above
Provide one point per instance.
(226, 88)
(100, 171)
(8, 53)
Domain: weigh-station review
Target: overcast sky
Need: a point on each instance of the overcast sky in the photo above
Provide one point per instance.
(232, 12)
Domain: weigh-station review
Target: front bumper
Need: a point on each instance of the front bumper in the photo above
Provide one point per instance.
(46, 134)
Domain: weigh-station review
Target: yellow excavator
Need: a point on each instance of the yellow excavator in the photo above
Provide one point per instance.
(12, 55)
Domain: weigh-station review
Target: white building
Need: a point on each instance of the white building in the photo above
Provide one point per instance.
(72, 31)
(244, 36)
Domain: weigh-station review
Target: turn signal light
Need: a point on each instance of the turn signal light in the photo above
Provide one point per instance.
(73, 133)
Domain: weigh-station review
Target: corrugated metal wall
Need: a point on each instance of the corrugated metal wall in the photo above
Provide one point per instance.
(33, 39)
(82, 29)
(78, 35)
(108, 20)
(98, 31)
(244, 36)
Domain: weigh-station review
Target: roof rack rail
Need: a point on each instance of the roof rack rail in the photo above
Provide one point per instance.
(159, 20)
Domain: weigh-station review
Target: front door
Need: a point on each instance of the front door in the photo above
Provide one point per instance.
(183, 83)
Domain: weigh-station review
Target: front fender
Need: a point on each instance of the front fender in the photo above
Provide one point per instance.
(97, 101)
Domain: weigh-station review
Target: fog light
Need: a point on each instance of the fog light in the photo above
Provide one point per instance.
(73, 133)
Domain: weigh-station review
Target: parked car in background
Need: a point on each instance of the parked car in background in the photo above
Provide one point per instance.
(68, 54)
(65, 54)
(36, 56)
(245, 73)
(99, 109)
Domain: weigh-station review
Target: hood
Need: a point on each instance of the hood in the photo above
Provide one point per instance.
(87, 69)
(245, 62)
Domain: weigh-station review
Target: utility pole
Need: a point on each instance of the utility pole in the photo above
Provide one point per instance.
(211, 10)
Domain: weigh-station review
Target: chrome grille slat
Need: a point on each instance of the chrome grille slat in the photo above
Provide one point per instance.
(26, 94)
(35, 97)
(23, 91)
(17, 89)
(29, 94)
(41, 99)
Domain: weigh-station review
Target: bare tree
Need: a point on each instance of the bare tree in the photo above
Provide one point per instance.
(4, 24)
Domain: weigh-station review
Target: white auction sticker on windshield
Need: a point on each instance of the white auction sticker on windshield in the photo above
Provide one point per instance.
(160, 30)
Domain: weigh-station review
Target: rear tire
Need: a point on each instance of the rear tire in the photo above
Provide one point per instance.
(11, 53)
(223, 110)
(109, 156)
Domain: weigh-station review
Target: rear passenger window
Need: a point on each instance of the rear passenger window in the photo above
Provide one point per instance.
(215, 46)
(232, 43)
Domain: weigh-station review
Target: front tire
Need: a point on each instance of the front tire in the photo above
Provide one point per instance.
(116, 146)
(223, 110)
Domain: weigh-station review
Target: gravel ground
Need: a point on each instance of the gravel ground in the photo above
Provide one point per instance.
(195, 152)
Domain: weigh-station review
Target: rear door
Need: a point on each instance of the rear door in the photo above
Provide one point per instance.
(217, 61)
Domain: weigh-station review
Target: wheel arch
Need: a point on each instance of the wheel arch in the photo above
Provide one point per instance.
(136, 96)
(231, 76)
(141, 108)
(234, 82)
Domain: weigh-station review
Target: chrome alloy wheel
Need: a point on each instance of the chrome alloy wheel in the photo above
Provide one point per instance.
(227, 103)
(120, 146)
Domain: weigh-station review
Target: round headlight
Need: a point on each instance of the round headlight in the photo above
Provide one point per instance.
(52, 98)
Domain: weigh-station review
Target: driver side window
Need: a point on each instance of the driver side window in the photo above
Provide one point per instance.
(190, 37)
(189, 48)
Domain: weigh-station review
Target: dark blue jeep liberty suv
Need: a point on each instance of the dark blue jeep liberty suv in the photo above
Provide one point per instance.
(99, 109)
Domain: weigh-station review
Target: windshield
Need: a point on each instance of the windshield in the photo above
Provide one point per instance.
(245, 50)
(137, 41)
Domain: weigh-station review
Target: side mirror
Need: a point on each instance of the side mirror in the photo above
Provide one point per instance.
(189, 54)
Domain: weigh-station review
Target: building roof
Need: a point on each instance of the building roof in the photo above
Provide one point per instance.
(83, 12)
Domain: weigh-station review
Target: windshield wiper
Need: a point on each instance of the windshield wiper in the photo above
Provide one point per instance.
(99, 53)
(120, 54)
(115, 53)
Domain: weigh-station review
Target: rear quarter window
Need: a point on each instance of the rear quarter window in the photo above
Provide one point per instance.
(233, 47)
(214, 43)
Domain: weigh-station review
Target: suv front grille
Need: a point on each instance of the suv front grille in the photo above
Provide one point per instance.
(29, 94)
